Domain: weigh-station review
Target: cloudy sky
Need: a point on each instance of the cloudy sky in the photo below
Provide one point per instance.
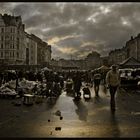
(75, 29)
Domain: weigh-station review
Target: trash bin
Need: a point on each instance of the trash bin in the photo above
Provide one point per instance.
(28, 99)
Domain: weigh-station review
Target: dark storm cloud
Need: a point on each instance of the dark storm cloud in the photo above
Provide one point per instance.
(78, 28)
(22, 9)
(63, 30)
(4, 7)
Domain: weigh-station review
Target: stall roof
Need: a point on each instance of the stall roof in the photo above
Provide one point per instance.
(103, 67)
(130, 63)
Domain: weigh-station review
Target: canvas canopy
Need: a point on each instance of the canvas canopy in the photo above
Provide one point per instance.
(103, 67)
(130, 63)
(46, 69)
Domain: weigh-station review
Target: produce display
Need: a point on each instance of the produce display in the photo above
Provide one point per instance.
(9, 88)
(5, 91)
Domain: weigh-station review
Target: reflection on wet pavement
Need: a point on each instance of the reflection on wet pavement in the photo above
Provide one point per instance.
(114, 123)
(81, 118)
(81, 110)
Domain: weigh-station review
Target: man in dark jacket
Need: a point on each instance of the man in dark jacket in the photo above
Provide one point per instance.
(96, 80)
(77, 84)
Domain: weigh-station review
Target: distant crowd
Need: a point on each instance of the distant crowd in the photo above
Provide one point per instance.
(55, 82)
(51, 77)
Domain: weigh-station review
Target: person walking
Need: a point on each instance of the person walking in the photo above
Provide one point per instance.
(96, 80)
(77, 84)
(113, 81)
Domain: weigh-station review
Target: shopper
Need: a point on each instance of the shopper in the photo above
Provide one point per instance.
(77, 84)
(96, 80)
(113, 81)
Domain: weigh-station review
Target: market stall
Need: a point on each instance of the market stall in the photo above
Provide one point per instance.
(128, 73)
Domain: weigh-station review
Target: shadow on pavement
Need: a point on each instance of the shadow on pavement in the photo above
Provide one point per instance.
(88, 99)
(51, 103)
(115, 131)
(97, 100)
(70, 94)
(81, 110)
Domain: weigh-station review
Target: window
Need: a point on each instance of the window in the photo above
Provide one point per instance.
(12, 37)
(6, 54)
(2, 38)
(1, 54)
(11, 46)
(1, 46)
(18, 46)
(2, 30)
(17, 55)
(13, 30)
(18, 40)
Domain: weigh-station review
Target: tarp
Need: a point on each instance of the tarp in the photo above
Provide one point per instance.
(46, 69)
(103, 67)
(130, 63)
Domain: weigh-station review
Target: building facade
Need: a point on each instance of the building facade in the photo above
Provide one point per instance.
(105, 60)
(48, 53)
(43, 51)
(133, 47)
(17, 47)
(11, 39)
(30, 51)
(117, 56)
(93, 60)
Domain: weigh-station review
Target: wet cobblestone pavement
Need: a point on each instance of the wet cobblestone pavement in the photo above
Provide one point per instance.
(83, 118)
